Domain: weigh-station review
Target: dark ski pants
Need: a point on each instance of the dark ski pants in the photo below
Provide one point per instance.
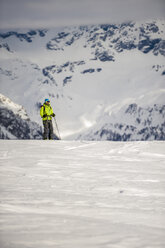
(48, 129)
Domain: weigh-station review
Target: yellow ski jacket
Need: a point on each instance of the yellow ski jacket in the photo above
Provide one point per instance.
(46, 112)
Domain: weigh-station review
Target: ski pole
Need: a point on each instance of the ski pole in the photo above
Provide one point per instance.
(57, 128)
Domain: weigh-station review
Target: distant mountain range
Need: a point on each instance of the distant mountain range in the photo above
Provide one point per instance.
(105, 82)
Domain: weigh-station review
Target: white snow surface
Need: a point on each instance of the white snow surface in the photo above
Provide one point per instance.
(77, 194)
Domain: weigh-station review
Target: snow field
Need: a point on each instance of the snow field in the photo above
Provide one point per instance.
(70, 194)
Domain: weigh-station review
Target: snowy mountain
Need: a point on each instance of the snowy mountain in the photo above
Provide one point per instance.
(15, 123)
(91, 74)
(131, 123)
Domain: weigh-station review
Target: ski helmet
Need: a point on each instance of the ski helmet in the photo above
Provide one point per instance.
(47, 100)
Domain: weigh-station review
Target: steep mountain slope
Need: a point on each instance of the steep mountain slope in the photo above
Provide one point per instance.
(88, 72)
(15, 123)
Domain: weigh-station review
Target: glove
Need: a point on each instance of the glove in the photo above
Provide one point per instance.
(44, 115)
(53, 115)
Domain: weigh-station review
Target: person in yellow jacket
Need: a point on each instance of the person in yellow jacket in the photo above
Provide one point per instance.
(47, 113)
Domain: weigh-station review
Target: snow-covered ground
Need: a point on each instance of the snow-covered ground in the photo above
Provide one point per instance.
(75, 194)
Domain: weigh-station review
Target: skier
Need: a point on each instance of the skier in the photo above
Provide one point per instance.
(47, 113)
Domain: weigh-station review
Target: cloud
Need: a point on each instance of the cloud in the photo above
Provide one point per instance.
(53, 13)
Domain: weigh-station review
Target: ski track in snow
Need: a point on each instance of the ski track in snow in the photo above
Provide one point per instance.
(76, 194)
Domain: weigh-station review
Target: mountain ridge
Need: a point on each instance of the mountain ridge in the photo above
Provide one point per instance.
(15, 123)
(134, 123)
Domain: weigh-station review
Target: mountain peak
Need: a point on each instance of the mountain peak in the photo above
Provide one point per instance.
(15, 123)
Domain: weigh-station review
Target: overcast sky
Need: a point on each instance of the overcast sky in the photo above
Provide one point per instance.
(53, 13)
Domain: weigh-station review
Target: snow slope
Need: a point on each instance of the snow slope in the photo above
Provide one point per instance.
(70, 194)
